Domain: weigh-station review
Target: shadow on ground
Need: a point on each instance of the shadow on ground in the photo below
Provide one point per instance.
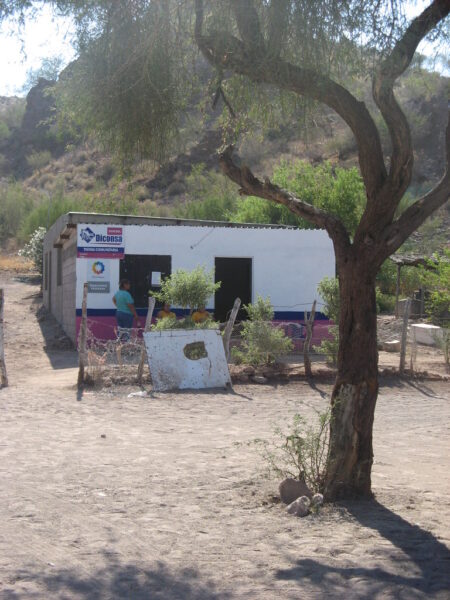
(421, 566)
(58, 347)
(117, 581)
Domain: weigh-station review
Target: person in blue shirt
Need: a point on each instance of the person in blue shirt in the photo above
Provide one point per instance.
(124, 303)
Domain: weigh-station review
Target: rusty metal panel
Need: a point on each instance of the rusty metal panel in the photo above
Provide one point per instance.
(171, 369)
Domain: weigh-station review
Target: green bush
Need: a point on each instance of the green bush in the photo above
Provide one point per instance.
(211, 195)
(437, 281)
(34, 249)
(46, 212)
(185, 323)
(188, 289)
(262, 342)
(4, 130)
(336, 190)
(385, 302)
(301, 452)
(15, 204)
(328, 288)
(339, 191)
(38, 160)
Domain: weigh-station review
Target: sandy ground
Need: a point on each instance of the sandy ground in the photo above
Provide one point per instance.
(104, 496)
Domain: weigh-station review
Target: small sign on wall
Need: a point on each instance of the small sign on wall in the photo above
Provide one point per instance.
(100, 241)
(156, 278)
(98, 287)
(97, 270)
(97, 275)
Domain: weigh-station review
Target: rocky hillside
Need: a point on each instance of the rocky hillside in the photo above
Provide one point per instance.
(35, 150)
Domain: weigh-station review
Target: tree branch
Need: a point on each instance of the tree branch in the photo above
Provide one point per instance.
(382, 89)
(415, 215)
(278, 18)
(248, 24)
(252, 186)
(228, 52)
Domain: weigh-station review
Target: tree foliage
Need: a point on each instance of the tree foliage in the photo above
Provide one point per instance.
(50, 69)
(436, 278)
(188, 289)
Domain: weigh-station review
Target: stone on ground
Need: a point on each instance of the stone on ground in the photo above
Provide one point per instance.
(300, 507)
(291, 489)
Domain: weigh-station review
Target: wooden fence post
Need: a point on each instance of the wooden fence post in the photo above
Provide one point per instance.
(148, 324)
(229, 327)
(397, 289)
(3, 376)
(309, 322)
(404, 336)
(82, 338)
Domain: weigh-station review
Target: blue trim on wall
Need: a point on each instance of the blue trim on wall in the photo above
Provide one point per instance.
(288, 315)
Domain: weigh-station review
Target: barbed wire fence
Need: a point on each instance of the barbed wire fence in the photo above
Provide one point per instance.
(121, 358)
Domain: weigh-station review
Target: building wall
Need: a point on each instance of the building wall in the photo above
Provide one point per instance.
(69, 284)
(287, 263)
(59, 285)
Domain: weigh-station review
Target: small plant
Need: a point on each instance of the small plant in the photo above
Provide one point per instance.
(188, 289)
(443, 343)
(301, 452)
(185, 323)
(436, 278)
(35, 247)
(262, 342)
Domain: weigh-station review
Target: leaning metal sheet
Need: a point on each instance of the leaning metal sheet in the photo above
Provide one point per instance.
(171, 369)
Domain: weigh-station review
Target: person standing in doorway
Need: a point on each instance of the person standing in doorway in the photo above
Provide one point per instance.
(124, 304)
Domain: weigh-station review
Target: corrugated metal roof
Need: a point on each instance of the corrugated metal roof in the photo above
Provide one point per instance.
(105, 218)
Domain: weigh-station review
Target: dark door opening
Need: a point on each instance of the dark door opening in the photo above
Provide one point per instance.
(144, 272)
(236, 277)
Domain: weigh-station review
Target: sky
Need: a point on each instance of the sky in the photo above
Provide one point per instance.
(46, 36)
(42, 37)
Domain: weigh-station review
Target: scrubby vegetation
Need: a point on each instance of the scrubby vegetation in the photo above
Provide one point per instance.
(301, 452)
(262, 342)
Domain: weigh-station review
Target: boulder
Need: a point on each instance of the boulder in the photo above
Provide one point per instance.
(391, 346)
(291, 489)
(300, 507)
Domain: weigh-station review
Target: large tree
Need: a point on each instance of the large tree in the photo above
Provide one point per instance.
(306, 49)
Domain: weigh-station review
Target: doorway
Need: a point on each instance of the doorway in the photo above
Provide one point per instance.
(236, 277)
(145, 272)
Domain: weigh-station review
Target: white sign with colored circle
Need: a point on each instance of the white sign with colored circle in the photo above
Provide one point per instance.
(97, 270)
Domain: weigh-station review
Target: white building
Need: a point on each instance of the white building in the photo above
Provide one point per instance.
(283, 263)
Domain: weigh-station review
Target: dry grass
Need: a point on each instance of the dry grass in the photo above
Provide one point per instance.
(14, 263)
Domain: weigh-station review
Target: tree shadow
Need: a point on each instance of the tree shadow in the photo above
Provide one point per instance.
(425, 566)
(58, 347)
(322, 393)
(120, 581)
(421, 387)
(405, 382)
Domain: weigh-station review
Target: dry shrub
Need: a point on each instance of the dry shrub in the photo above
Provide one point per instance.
(14, 263)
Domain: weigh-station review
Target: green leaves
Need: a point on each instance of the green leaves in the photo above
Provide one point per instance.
(262, 342)
(126, 85)
(34, 249)
(188, 289)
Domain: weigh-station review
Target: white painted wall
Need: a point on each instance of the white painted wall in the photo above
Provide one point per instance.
(287, 263)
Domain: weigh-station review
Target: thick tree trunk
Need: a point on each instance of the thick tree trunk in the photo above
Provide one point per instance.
(356, 388)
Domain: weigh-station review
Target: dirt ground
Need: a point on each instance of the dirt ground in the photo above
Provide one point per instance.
(103, 496)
